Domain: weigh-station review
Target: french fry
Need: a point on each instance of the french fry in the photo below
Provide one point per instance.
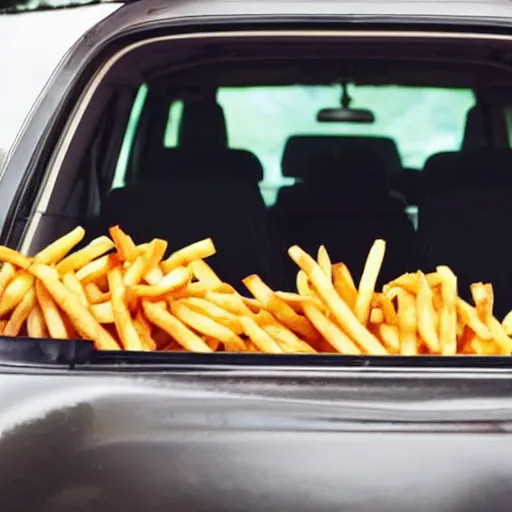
(143, 328)
(13, 257)
(390, 337)
(287, 340)
(72, 283)
(207, 326)
(197, 251)
(343, 315)
(298, 324)
(176, 279)
(216, 313)
(122, 319)
(330, 331)
(204, 273)
(507, 323)
(95, 270)
(175, 328)
(36, 327)
(368, 280)
(259, 336)
(20, 314)
(7, 274)
(15, 291)
(426, 316)
(98, 247)
(296, 301)
(103, 312)
(52, 316)
(344, 284)
(54, 252)
(324, 261)
(407, 325)
(447, 311)
(388, 310)
(94, 294)
(303, 285)
(469, 317)
(83, 321)
(376, 316)
(231, 302)
(126, 249)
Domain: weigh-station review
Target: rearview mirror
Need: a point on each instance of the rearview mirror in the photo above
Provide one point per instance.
(345, 115)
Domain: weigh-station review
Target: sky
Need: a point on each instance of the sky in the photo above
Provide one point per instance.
(32, 45)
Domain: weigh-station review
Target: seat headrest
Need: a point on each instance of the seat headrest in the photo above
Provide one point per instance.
(202, 125)
(352, 174)
(234, 163)
(474, 132)
(484, 167)
(299, 149)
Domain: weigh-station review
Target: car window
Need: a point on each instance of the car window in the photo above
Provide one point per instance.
(422, 121)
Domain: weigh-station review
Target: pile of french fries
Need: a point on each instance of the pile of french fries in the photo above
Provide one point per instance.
(124, 296)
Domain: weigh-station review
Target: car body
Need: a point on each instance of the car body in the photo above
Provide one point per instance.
(90, 431)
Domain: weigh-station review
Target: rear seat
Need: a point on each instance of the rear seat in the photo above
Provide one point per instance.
(467, 197)
(184, 209)
(203, 148)
(344, 204)
(469, 169)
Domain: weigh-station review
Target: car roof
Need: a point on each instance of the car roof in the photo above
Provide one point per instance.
(137, 12)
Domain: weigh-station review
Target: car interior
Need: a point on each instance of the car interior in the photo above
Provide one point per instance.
(336, 184)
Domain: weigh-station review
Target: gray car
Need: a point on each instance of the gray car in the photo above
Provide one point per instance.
(264, 124)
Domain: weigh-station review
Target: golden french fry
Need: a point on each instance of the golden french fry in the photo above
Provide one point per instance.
(122, 319)
(368, 280)
(298, 324)
(7, 274)
(95, 269)
(296, 301)
(143, 329)
(216, 313)
(484, 299)
(174, 280)
(330, 331)
(286, 339)
(20, 314)
(14, 258)
(36, 327)
(103, 312)
(207, 326)
(303, 285)
(253, 304)
(376, 316)
(426, 316)
(126, 249)
(51, 313)
(259, 336)
(499, 336)
(388, 310)
(80, 317)
(390, 337)
(231, 302)
(507, 323)
(204, 273)
(213, 343)
(58, 249)
(447, 311)
(342, 314)
(146, 264)
(324, 261)
(15, 291)
(174, 327)
(98, 247)
(197, 251)
(72, 283)
(407, 324)
(469, 317)
(344, 284)
(94, 294)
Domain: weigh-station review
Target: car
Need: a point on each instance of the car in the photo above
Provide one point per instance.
(262, 124)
